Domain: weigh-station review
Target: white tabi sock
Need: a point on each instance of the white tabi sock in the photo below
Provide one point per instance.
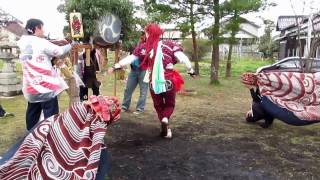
(165, 120)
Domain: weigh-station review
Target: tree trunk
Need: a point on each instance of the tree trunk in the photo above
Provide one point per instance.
(228, 67)
(195, 53)
(214, 73)
(232, 40)
(194, 42)
(214, 65)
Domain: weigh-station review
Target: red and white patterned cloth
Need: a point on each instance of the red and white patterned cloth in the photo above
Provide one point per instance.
(297, 92)
(65, 146)
(168, 50)
(40, 81)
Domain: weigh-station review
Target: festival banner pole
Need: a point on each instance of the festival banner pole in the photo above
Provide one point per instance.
(76, 28)
(116, 60)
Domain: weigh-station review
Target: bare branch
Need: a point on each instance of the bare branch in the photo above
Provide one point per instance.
(299, 38)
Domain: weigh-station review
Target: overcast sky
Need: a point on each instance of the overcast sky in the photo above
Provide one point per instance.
(287, 7)
(46, 10)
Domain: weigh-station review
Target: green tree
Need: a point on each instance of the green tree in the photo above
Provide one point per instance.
(204, 46)
(234, 9)
(183, 12)
(215, 34)
(267, 46)
(92, 10)
(213, 9)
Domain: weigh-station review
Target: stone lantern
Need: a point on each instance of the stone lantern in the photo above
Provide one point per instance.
(10, 85)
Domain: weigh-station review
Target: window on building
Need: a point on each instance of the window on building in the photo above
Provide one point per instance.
(318, 52)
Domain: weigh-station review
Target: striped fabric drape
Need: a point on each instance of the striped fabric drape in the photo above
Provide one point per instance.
(297, 92)
(64, 146)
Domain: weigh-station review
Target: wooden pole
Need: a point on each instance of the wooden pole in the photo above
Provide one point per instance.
(106, 60)
(87, 61)
(116, 59)
(73, 56)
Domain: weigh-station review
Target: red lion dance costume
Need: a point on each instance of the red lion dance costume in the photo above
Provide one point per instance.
(291, 97)
(65, 146)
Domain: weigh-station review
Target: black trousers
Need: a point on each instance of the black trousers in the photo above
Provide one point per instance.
(84, 92)
(33, 113)
(283, 114)
(2, 111)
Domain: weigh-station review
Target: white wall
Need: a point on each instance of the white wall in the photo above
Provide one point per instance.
(250, 28)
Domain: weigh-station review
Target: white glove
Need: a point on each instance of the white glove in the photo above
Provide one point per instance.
(117, 66)
(74, 43)
(191, 72)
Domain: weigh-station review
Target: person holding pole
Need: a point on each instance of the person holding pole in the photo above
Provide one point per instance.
(41, 83)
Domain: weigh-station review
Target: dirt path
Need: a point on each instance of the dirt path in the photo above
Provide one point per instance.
(211, 141)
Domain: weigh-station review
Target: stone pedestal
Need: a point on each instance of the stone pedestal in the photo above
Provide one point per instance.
(10, 85)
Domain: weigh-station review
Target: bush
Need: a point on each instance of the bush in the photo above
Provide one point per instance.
(204, 47)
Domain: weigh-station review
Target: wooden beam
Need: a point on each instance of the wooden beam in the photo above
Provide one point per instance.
(116, 59)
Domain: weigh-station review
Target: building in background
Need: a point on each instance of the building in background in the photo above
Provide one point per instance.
(293, 28)
(247, 38)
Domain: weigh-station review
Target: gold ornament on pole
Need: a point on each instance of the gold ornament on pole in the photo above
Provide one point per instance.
(76, 25)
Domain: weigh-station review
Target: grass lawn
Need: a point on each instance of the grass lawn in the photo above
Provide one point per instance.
(211, 139)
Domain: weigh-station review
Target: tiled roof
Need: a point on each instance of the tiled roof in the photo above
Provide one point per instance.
(15, 28)
(304, 25)
(286, 21)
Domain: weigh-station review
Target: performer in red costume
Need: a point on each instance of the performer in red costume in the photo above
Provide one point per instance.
(158, 58)
(69, 145)
(291, 97)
